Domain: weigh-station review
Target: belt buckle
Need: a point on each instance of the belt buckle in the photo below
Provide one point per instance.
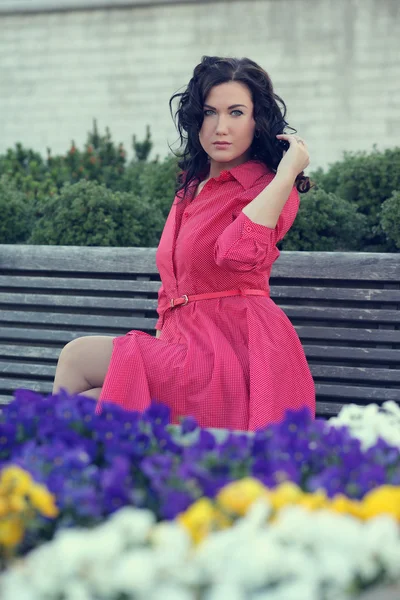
(186, 301)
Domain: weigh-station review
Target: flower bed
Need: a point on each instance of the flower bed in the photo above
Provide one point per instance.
(124, 506)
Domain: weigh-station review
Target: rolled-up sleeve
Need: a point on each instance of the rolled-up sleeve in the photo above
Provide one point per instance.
(162, 306)
(248, 246)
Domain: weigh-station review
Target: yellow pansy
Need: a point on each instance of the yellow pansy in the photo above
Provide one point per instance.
(43, 500)
(15, 480)
(11, 532)
(382, 500)
(238, 496)
(17, 504)
(201, 518)
(344, 505)
(314, 501)
(4, 509)
(285, 493)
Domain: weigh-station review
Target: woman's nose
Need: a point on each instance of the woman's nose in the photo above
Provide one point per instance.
(222, 126)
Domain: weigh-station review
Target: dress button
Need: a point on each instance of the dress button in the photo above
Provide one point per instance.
(248, 228)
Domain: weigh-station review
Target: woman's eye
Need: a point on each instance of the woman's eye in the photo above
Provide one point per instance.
(211, 111)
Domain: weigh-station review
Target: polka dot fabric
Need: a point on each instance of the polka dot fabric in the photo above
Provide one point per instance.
(233, 362)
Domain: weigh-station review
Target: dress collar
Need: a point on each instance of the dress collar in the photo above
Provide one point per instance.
(246, 174)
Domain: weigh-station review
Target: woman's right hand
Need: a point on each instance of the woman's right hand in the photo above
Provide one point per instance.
(296, 158)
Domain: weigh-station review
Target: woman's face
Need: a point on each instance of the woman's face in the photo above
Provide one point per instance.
(228, 117)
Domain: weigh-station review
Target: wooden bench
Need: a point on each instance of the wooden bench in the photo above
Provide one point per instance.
(344, 306)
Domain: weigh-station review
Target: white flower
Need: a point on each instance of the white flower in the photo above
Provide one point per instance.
(75, 590)
(292, 590)
(368, 423)
(170, 592)
(171, 543)
(256, 516)
(134, 524)
(225, 591)
(13, 587)
(135, 573)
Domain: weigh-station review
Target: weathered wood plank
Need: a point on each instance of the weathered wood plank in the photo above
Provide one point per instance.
(310, 313)
(72, 284)
(118, 286)
(361, 394)
(353, 334)
(20, 353)
(11, 384)
(77, 319)
(310, 293)
(50, 336)
(25, 369)
(328, 313)
(20, 301)
(116, 302)
(328, 409)
(346, 354)
(368, 266)
(33, 352)
(305, 332)
(361, 374)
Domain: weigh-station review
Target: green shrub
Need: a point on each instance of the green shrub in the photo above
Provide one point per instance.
(15, 211)
(366, 180)
(390, 218)
(325, 223)
(89, 214)
(154, 182)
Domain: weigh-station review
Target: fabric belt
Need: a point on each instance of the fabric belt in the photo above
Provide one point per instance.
(183, 300)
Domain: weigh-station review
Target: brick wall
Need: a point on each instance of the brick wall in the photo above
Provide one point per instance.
(336, 64)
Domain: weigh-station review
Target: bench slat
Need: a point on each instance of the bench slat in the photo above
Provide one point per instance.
(79, 320)
(374, 375)
(22, 301)
(119, 286)
(328, 409)
(312, 313)
(347, 353)
(353, 334)
(367, 266)
(21, 369)
(305, 332)
(50, 336)
(32, 352)
(377, 375)
(357, 394)
(328, 313)
(13, 383)
(73, 285)
(336, 294)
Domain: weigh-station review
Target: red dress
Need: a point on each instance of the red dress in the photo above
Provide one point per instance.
(234, 362)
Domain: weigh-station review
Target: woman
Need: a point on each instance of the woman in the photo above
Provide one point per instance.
(226, 353)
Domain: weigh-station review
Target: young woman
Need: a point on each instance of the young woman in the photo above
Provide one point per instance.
(226, 353)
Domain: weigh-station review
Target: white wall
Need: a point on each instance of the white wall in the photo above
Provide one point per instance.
(335, 63)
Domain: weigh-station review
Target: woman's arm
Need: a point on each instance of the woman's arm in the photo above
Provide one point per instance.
(158, 333)
(267, 206)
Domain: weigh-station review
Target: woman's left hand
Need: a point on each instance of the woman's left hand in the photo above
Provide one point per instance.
(296, 158)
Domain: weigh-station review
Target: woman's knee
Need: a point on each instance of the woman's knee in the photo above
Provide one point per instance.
(90, 356)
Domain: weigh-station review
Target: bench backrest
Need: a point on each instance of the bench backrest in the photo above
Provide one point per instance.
(345, 308)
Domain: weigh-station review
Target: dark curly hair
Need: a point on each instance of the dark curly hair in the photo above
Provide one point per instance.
(269, 117)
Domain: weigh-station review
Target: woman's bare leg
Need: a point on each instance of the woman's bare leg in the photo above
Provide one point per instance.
(83, 364)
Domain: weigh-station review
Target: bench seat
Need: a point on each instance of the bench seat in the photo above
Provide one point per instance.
(344, 306)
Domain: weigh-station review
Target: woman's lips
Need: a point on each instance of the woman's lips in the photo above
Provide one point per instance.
(222, 144)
